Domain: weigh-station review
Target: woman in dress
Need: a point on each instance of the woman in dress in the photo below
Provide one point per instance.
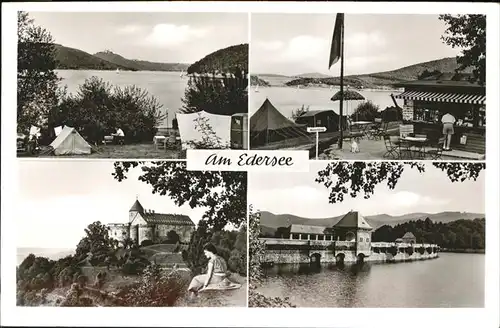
(216, 276)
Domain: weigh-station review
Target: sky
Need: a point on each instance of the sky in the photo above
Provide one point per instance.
(292, 44)
(429, 192)
(57, 200)
(159, 37)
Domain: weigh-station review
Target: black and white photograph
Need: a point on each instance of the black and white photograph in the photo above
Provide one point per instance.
(369, 234)
(369, 86)
(131, 85)
(130, 234)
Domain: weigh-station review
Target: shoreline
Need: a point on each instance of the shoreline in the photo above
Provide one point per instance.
(464, 251)
(327, 87)
(113, 70)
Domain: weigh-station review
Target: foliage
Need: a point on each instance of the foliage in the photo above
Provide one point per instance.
(210, 140)
(353, 178)
(172, 237)
(232, 246)
(225, 95)
(96, 241)
(37, 83)
(194, 256)
(459, 234)
(391, 114)
(426, 73)
(365, 111)
(154, 289)
(98, 109)
(37, 275)
(299, 112)
(469, 33)
(146, 242)
(223, 194)
(256, 251)
(231, 59)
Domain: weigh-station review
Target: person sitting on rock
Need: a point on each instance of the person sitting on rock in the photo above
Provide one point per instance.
(216, 277)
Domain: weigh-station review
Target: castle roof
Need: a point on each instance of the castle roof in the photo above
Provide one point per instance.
(170, 219)
(353, 220)
(307, 229)
(137, 207)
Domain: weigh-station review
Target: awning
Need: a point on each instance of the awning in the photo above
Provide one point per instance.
(450, 97)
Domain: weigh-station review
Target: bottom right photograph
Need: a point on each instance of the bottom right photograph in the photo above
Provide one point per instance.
(368, 234)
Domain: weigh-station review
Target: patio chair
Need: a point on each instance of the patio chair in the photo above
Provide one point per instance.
(373, 133)
(436, 152)
(391, 148)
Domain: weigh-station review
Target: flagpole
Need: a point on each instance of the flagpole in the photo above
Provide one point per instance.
(341, 83)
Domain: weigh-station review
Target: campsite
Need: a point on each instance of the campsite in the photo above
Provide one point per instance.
(138, 109)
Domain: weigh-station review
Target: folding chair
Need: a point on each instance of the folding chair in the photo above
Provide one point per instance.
(391, 149)
(436, 153)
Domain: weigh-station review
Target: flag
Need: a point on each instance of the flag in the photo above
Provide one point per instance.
(336, 49)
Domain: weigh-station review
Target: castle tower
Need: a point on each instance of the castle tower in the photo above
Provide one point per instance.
(135, 210)
(353, 227)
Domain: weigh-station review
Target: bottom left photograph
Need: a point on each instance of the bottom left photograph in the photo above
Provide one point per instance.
(99, 233)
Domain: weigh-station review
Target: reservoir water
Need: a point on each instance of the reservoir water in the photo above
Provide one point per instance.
(167, 87)
(288, 99)
(452, 280)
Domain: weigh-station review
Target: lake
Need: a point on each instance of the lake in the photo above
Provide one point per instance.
(288, 99)
(452, 280)
(167, 87)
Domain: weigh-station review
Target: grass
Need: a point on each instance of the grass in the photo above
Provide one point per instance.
(143, 150)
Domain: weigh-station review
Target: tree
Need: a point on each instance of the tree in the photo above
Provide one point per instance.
(299, 112)
(468, 32)
(173, 237)
(96, 241)
(194, 255)
(222, 193)
(353, 178)
(366, 111)
(37, 89)
(98, 109)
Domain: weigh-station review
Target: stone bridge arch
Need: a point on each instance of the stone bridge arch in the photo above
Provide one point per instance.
(339, 258)
(360, 258)
(315, 258)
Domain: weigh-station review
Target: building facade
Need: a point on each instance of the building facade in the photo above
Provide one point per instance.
(155, 227)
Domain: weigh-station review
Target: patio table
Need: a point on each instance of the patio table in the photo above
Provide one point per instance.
(416, 142)
(363, 126)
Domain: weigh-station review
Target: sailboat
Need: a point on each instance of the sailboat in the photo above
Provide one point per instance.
(257, 88)
(182, 74)
(117, 71)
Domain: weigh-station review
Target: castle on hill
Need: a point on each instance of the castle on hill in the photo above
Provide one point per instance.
(155, 227)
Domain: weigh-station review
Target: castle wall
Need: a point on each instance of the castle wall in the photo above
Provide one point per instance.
(145, 233)
(184, 232)
(119, 232)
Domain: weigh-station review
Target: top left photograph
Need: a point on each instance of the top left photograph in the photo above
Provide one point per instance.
(131, 85)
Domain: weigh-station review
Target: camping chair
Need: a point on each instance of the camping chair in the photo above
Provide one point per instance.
(391, 148)
(436, 153)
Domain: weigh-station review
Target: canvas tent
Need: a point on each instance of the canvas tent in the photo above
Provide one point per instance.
(189, 130)
(70, 142)
(269, 125)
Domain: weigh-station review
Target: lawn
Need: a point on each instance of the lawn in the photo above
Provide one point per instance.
(138, 151)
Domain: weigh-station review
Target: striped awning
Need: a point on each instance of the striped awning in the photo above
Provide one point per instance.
(462, 98)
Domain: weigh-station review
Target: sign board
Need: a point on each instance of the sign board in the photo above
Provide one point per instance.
(407, 113)
(316, 129)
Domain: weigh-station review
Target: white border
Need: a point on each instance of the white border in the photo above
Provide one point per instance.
(198, 317)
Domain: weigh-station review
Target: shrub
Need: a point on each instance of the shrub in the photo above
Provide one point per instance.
(146, 242)
(366, 111)
(99, 108)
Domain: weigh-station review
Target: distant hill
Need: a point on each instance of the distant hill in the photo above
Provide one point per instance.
(382, 79)
(225, 60)
(254, 80)
(71, 58)
(313, 75)
(269, 222)
(140, 65)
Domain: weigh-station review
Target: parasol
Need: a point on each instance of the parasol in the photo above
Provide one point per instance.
(348, 95)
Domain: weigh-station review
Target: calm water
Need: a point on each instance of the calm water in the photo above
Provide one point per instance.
(288, 99)
(167, 87)
(452, 280)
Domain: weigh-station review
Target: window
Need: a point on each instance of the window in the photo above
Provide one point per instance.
(367, 240)
(360, 239)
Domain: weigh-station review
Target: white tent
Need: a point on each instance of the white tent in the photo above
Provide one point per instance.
(189, 131)
(70, 142)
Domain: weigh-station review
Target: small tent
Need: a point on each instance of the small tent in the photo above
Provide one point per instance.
(70, 142)
(190, 130)
(269, 125)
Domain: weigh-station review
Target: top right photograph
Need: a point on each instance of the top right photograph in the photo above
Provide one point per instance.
(369, 86)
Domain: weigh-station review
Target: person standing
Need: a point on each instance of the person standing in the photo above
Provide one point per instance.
(448, 120)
